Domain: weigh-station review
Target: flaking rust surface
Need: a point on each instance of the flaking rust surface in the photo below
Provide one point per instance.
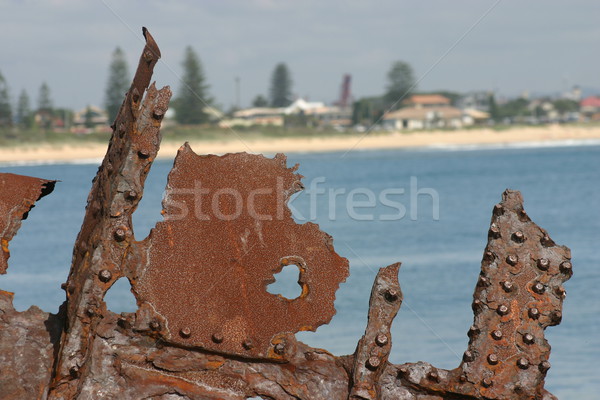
(18, 195)
(227, 231)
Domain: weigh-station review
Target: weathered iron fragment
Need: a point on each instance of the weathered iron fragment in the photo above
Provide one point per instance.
(227, 231)
(27, 339)
(18, 195)
(107, 230)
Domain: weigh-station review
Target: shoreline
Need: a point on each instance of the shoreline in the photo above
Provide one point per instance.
(374, 141)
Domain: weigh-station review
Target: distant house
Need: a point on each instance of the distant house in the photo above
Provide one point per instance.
(91, 119)
(255, 116)
(427, 100)
(590, 107)
(419, 117)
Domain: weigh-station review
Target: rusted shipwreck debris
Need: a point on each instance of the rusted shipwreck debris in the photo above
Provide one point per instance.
(206, 328)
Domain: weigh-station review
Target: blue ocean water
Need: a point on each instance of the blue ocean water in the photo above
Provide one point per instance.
(446, 196)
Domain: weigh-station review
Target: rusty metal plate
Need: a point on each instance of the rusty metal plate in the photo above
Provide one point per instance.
(227, 231)
(18, 195)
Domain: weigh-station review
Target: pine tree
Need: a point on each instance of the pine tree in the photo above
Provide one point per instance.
(260, 101)
(193, 97)
(280, 92)
(117, 84)
(401, 83)
(5, 107)
(45, 107)
(24, 117)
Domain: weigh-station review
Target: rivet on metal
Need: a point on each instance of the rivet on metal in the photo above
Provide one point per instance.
(120, 234)
(538, 288)
(487, 382)
(391, 295)
(185, 332)
(533, 313)
(502, 310)
(155, 325)
(544, 366)
(279, 348)
(473, 331)
(566, 267)
(373, 362)
(104, 275)
(497, 334)
(561, 292)
(507, 286)
(143, 154)
(477, 305)
(90, 312)
(131, 194)
(512, 260)
(498, 209)
(518, 237)
(247, 344)
(492, 359)
(528, 338)
(468, 356)
(523, 363)
(494, 232)
(543, 264)
(555, 317)
(158, 114)
(546, 241)
(381, 339)
(483, 281)
(217, 338)
(488, 256)
(433, 376)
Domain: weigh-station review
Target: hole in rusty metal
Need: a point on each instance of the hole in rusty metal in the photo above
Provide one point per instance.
(119, 298)
(286, 282)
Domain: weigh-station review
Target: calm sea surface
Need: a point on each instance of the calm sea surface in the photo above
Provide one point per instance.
(441, 257)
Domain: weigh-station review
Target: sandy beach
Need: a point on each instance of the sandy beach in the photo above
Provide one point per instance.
(374, 140)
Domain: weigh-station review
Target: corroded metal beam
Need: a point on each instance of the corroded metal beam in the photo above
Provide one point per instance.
(206, 327)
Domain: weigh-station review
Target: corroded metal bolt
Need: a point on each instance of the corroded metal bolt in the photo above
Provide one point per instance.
(523, 213)
(63, 286)
(538, 288)
(247, 344)
(512, 260)
(494, 231)
(544, 366)
(497, 334)
(74, 371)
(185, 332)
(492, 359)
(433, 376)
(105, 275)
(546, 241)
(373, 362)
(507, 286)
(518, 237)
(468, 356)
(523, 363)
(477, 305)
(502, 310)
(487, 382)
(498, 209)
(131, 194)
(566, 267)
(143, 154)
(473, 330)
(555, 318)
(402, 371)
(158, 114)
(561, 292)
(217, 337)
(279, 348)
(483, 281)
(154, 325)
(543, 264)
(528, 338)
(90, 312)
(120, 234)
(533, 313)
(391, 295)
(381, 339)
(488, 256)
(462, 378)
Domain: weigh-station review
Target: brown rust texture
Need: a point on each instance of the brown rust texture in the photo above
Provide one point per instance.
(206, 327)
(227, 231)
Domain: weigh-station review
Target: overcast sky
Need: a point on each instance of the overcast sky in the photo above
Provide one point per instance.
(506, 45)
